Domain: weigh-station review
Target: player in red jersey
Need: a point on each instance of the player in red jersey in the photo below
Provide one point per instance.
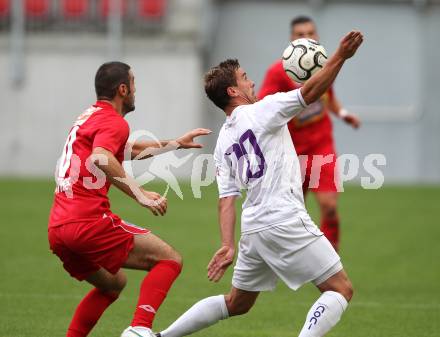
(92, 242)
(312, 135)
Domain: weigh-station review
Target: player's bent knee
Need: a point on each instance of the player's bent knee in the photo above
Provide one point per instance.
(348, 291)
(236, 308)
(176, 257)
(122, 282)
(339, 283)
(115, 285)
(119, 283)
(331, 213)
(147, 261)
(329, 210)
(329, 207)
(172, 255)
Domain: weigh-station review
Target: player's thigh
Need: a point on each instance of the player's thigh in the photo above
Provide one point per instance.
(338, 282)
(148, 250)
(251, 272)
(298, 253)
(240, 301)
(106, 281)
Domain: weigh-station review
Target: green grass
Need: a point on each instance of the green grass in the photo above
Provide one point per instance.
(390, 248)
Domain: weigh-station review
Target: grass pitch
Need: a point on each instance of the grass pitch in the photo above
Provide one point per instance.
(390, 248)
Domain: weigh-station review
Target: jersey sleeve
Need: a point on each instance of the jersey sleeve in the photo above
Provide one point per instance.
(275, 111)
(225, 177)
(112, 134)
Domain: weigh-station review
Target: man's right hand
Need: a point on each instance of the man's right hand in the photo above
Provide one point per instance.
(319, 83)
(156, 203)
(221, 260)
(349, 44)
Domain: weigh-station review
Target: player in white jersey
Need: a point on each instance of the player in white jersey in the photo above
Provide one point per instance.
(279, 240)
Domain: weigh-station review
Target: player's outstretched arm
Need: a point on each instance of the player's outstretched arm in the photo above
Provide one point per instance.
(114, 172)
(319, 83)
(224, 257)
(143, 149)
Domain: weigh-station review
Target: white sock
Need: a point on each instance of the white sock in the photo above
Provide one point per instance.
(201, 315)
(324, 314)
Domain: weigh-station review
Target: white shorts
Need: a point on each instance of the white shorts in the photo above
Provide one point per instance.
(288, 252)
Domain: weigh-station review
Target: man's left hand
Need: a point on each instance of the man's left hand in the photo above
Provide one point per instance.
(187, 140)
(352, 120)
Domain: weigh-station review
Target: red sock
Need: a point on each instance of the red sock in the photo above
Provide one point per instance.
(154, 289)
(330, 228)
(88, 312)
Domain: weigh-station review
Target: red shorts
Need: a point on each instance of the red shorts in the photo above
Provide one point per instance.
(85, 247)
(318, 167)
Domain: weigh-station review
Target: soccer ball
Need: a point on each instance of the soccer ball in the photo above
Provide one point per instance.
(302, 58)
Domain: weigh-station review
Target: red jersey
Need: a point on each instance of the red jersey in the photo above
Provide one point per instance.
(81, 195)
(313, 124)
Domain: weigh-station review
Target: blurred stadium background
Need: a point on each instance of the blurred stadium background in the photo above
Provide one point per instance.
(49, 52)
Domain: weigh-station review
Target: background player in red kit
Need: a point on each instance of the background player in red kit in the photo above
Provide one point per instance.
(312, 134)
(92, 242)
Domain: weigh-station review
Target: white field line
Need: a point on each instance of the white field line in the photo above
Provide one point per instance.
(407, 306)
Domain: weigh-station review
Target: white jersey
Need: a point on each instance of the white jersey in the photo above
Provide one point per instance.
(255, 153)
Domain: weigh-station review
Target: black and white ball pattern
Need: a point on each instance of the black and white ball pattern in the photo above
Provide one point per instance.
(302, 58)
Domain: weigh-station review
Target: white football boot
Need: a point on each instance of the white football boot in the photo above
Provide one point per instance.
(138, 331)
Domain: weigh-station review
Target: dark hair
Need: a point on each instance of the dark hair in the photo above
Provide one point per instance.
(299, 20)
(218, 79)
(109, 77)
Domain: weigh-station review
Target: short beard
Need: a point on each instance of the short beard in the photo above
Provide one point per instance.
(126, 108)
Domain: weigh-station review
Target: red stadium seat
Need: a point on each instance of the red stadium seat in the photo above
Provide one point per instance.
(105, 7)
(74, 8)
(152, 8)
(5, 7)
(37, 8)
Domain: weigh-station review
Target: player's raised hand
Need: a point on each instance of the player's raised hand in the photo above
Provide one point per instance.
(352, 120)
(156, 203)
(349, 44)
(187, 140)
(221, 260)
